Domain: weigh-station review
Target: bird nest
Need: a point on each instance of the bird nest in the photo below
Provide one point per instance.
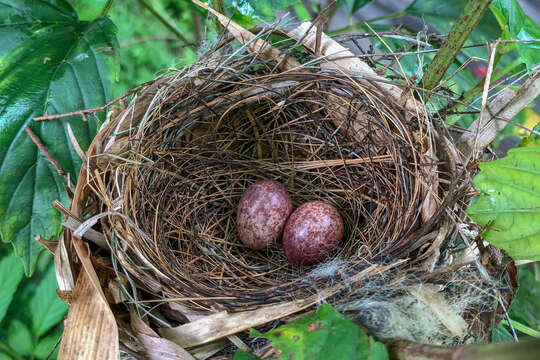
(212, 132)
(164, 176)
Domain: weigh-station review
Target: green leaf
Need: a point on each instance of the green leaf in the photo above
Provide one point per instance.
(53, 64)
(19, 337)
(518, 26)
(352, 6)
(45, 346)
(526, 305)
(46, 308)
(242, 355)
(88, 9)
(11, 272)
(509, 202)
(500, 334)
(325, 334)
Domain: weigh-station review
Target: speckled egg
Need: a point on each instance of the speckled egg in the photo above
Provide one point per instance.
(312, 232)
(262, 212)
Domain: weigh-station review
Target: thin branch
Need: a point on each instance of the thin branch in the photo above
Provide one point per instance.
(96, 109)
(48, 155)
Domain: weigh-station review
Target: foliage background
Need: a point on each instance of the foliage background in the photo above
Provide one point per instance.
(31, 314)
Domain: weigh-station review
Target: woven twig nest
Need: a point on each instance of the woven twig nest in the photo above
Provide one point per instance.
(163, 179)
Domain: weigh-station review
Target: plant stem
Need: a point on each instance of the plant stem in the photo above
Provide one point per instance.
(360, 26)
(523, 328)
(164, 21)
(106, 8)
(465, 24)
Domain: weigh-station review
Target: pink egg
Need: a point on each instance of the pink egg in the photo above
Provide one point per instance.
(262, 212)
(312, 232)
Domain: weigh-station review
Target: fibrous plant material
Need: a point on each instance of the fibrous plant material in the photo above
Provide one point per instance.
(163, 180)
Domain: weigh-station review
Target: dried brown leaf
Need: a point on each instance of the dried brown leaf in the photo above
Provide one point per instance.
(90, 330)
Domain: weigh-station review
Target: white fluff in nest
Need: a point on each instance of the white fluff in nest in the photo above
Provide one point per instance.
(418, 311)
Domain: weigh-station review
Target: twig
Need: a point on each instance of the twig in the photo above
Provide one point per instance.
(96, 109)
(485, 91)
(75, 143)
(168, 24)
(48, 155)
(501, 303)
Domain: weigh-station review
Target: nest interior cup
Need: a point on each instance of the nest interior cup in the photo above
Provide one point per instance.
(171, 168)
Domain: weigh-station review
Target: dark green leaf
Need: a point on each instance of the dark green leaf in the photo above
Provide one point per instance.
(526, 306)
(53, 64)
(500, 334)
(46, 308)
(19, 337)
(11, 272)
(325, 334)
(352, 6)
(508, 204)
(518, 26)
(242, 355)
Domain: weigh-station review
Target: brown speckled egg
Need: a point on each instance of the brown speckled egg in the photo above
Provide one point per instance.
(312, 232)
(262, 212)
